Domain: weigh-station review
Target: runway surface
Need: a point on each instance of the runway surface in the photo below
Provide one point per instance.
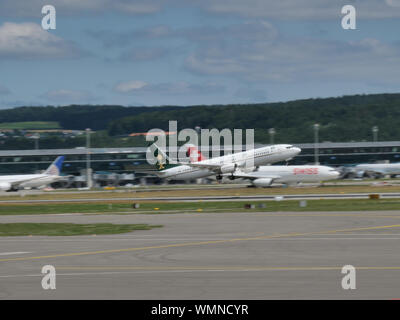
(249, 255)
(389, 195)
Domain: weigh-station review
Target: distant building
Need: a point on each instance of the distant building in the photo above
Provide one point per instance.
(128, 160)
(348, 153)
(158, 133)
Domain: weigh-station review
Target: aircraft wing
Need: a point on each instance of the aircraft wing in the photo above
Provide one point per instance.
(255, 175)
(213, 167)
(361, 171)
(17, 181)
(381, 171)
(152, 173)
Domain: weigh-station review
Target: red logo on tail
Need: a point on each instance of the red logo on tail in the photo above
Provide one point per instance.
(194, 154)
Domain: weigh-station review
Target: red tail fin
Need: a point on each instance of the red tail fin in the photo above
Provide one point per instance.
(194, 154)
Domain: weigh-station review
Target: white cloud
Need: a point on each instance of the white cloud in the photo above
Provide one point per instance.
(264, 56)
(248, 31)
(129, 86)
(282, 9)
(176, 88)
(186, 88)
(301, 61)
(393, 3)
(258, 30)
(32, 8)
(29, 41)
(255, 51)
(302, 9)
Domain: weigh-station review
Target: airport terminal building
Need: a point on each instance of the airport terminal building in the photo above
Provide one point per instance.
(129, 160)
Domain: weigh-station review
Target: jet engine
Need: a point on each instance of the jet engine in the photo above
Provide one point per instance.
(5, 186)
(262, 182)
(228, 168)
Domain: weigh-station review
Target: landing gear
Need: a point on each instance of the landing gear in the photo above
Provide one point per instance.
(219, 177)
(378, 176)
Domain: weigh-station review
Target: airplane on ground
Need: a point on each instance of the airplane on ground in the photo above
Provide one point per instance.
(200, 167)
(378, 169)
(264, 176)
(16, 182)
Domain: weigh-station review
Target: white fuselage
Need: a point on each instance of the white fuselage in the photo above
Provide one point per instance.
(382, 168)
(246, 159)
(296, 174)
(26, 181)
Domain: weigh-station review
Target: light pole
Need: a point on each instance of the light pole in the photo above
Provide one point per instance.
(316, 129)
(198, 131)
(88, 169)
(271, 132)
(375, 131)
(36, 137)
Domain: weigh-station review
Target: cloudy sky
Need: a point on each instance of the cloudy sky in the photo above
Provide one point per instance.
(185, 52)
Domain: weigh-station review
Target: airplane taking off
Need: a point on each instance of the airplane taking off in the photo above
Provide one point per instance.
(378, 169)
(16, 182)
(199, 167)
(264, 176)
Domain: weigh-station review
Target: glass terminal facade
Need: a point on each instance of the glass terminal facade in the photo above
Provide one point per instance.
(129, 160)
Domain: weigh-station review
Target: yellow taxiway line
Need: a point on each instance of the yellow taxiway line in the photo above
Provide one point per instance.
(199, 243)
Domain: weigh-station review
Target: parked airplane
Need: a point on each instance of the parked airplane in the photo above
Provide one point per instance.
(378, 169)
(199, 167)
(264, 176)
(16, 182)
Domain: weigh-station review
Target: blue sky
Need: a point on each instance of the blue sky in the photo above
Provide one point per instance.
(195, 52)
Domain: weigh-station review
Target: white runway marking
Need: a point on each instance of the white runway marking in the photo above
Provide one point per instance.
(244, 269)
(119, 273)
(11, 253)
(382, 237)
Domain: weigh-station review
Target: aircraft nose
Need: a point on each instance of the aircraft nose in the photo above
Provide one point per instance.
(335, 174)
(297, 150)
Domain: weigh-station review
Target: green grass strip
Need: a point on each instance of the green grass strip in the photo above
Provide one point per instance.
(68, 229)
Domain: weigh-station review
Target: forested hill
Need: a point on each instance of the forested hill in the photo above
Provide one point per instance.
(75, 117)
(342, 119)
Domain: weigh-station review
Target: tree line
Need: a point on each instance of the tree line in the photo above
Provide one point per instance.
(347, 118)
